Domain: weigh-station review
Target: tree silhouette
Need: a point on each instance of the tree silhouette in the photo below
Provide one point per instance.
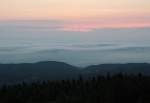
(120, 88)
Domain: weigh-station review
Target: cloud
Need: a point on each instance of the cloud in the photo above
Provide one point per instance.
(90, 24)
(84, 24)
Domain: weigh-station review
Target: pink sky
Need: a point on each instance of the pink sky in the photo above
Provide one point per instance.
(80, 15)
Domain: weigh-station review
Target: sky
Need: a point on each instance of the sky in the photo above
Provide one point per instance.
(80, 15)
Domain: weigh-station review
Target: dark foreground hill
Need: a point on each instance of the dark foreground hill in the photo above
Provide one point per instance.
(52, 70)
(57, 82)
(118, 88)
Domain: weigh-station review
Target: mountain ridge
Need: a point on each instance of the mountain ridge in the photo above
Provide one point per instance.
(59, 70)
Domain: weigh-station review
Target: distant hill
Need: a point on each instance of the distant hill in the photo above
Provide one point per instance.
(129, 68)
(12, 73)
(37, 71)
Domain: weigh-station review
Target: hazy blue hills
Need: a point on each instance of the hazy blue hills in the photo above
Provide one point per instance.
(52, 70)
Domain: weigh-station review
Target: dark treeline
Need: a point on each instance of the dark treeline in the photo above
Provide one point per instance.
(100, 89)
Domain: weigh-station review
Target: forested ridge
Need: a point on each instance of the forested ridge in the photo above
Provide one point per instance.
(53, 70)
(118, 88)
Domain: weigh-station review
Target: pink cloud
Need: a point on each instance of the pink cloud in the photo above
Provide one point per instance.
(86, 25)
